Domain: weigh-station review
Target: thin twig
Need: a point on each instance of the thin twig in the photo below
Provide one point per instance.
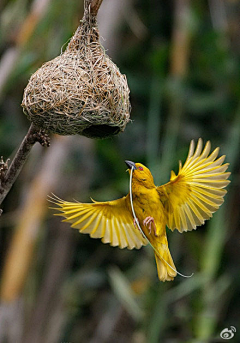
(94, 7)
(10, 175)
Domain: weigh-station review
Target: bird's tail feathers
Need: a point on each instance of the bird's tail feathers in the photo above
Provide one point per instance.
(165, 266)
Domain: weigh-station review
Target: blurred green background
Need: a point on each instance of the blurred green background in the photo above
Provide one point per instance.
(182, 62)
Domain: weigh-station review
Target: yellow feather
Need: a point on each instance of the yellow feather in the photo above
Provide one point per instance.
(197, 189)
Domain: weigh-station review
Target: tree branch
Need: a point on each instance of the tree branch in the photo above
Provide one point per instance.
(9, 175)
(94, 7)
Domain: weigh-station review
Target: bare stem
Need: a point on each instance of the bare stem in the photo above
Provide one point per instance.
(95, 5)
(9, 177)
(92, 6)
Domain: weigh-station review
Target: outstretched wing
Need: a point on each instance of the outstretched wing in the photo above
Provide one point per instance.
(191, 197)
(111, 221)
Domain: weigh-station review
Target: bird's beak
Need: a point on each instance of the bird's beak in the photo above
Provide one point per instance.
(131, 164)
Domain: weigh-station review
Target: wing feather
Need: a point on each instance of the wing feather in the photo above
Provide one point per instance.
(192, 196)
(111, 221)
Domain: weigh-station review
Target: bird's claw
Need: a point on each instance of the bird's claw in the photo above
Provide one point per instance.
(150, 223)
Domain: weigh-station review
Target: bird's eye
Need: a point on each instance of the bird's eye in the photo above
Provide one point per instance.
(140, 168)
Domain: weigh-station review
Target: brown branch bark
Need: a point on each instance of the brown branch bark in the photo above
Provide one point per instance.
(8, 178)
(92, 6)
(95, 5)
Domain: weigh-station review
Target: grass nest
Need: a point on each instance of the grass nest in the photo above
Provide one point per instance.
(81, 91)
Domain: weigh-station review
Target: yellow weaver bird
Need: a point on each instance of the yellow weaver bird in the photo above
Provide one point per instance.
(183, 203)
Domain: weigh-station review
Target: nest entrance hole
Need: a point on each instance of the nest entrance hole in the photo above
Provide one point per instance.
(100, 131)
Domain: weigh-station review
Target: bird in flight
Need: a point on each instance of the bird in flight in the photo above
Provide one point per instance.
(141, 217)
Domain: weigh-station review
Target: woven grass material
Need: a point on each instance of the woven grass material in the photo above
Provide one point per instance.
(81, 91)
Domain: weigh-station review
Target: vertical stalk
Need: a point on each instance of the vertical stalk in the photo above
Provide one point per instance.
(95, 5)
(153, 123)
(178, 69)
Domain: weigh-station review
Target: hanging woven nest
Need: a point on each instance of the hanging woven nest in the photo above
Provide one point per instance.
(81, 91)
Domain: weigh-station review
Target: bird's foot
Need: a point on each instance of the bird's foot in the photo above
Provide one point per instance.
(150, 223)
